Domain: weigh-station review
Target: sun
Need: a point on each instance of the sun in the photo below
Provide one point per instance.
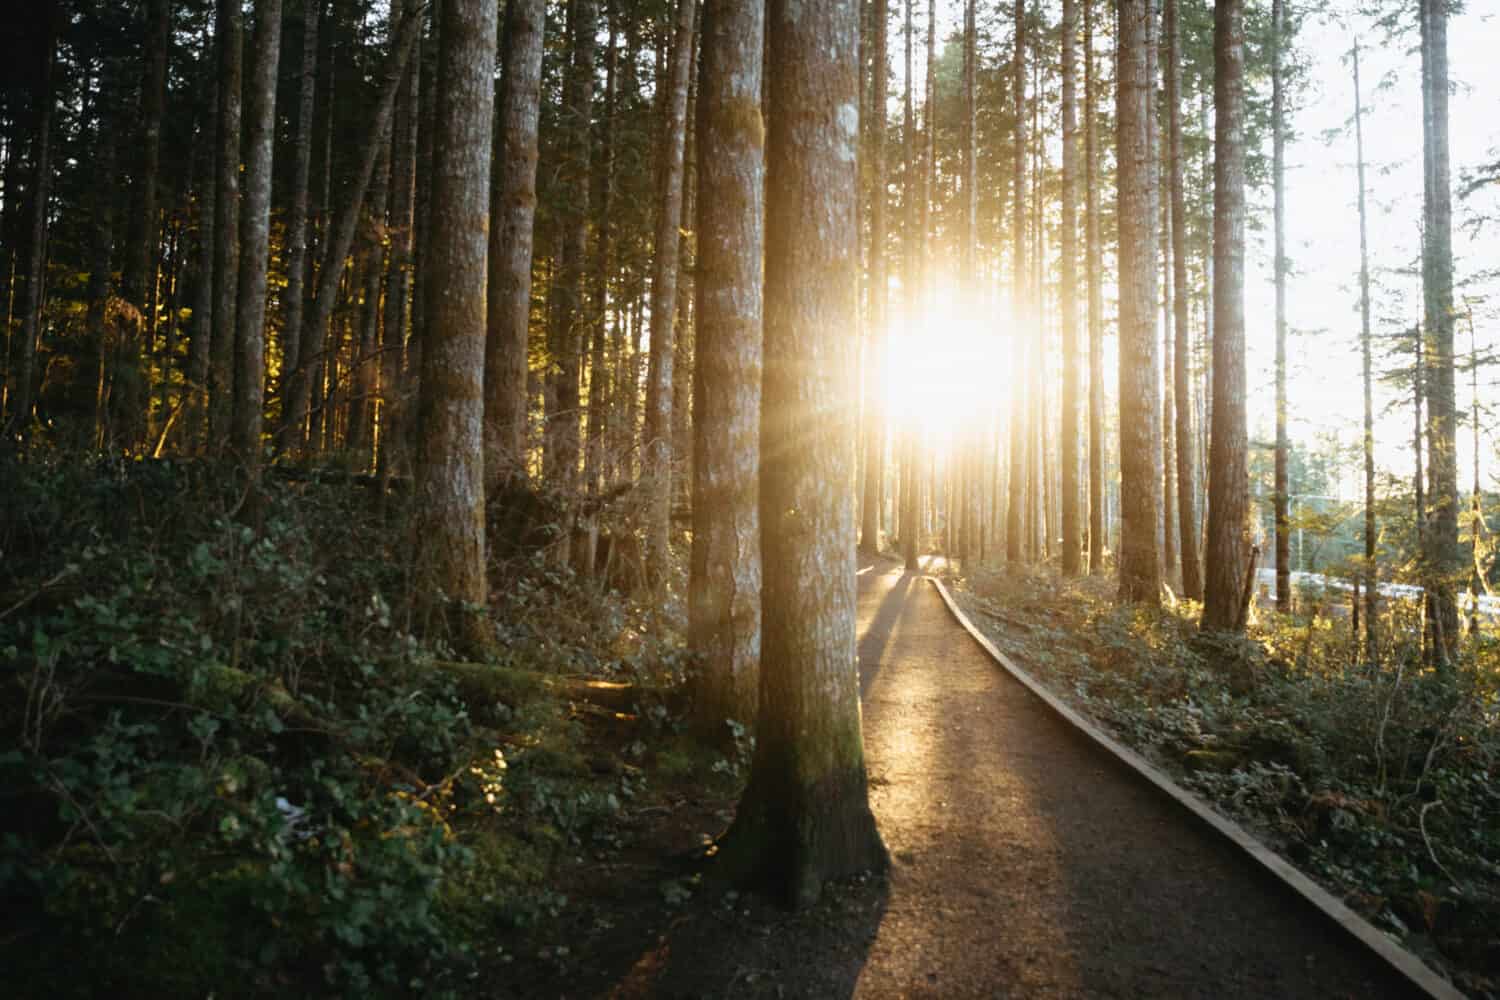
(948, 367)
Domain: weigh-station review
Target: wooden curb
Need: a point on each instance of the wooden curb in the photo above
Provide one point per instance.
(1402, 962)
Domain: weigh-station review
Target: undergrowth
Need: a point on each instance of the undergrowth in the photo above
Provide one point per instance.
(1380, 780)
(229, 765)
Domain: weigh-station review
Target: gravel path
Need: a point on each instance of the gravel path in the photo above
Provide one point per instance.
(1026, 863)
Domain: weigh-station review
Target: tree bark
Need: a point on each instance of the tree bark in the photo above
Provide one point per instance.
(567, 317)
(1228, 489)
(1072, 527)
(805, 816)
(295, 295)
(1187, 479)
(1370, 570)
(513, 201)
(229, 29)
(1015, 520)
(1140, 414)
(1093, 268)
(657, 434)
(597, 460)
(1281, 499)
(875, 325)
(255, 240)
(725, 582)
(450, 464)
(913, 243)
(1441, 550)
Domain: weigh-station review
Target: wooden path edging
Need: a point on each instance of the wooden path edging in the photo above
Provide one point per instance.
(1402, 962)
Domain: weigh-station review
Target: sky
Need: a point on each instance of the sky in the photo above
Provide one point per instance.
(1324, 387)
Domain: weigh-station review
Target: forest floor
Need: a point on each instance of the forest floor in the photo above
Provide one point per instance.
(1025, 863)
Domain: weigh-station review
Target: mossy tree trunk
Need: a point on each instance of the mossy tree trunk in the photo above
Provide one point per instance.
(450, 462)
(725, 584)
(805, 816)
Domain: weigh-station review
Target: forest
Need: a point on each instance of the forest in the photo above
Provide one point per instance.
(525, 498)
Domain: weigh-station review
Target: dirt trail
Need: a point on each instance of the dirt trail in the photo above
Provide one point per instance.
(1026, 863)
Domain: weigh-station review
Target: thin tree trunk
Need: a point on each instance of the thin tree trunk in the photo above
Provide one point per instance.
(1186, 448)
(1072, 527)
(805, 816)
(657, 436)
(101, 249)
(229, 31)
(725, 582)
(875, 325)
(1442, 554)
(1015, 520)
(450, 464)
(255, 241)
(1370, 570)
(201, 335)
(1228, 491)
(912, 244)
(395, 371)
(295, 295)
(1093, 267)
(1281, 499)
(597, 459)
(1140, 414)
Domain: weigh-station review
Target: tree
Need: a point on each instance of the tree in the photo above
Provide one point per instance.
(875, 326)
(1278, 183)
(1072, 527)
(1140, 414)
(805, 816)
(1441, 553)
(513, 201)
(1371, 579)
(724, 586)
(1228, 487)
(293, 299)
(565, 306)
(255, 233)
(228, 32)
(1015, 539)
(657, 444)
(912, 241)
(1187, 480)
(1093, 267)
(450, 461)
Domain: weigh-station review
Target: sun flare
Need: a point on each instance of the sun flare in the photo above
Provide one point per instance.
(949, 367)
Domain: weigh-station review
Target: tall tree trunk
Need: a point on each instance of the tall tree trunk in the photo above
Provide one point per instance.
(1093, 268)
(1072, 526)
(395, 372)
(1370, 574)
(1281, 499)
(725, 584)
(201, 332)
(229, 31)
(101, 250)
(657, 443)
(875, 326)
(295, 295)
(255, 241)
(513, 200)
(1228, 489)
(450, 463)
(912, 241)
(1140, 415)
(1015, 520)
(567, 316)
(1186, 448)
(597, 460)
(1441, 553)
(805, 816)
